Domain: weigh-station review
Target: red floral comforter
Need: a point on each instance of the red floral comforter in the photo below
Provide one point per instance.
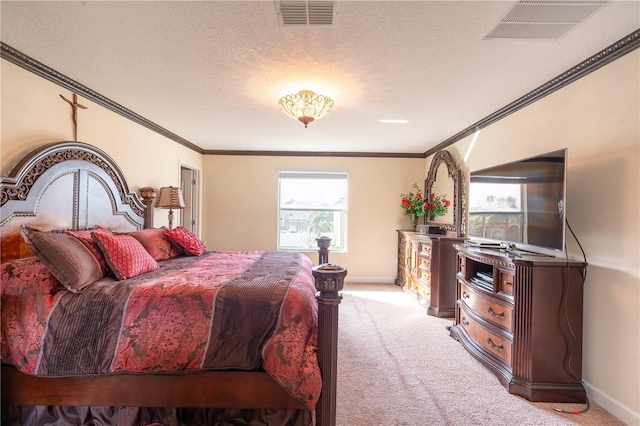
(223, 310)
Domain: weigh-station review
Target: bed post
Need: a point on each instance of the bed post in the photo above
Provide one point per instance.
(323, 249)
(329, 280)
(148, 195)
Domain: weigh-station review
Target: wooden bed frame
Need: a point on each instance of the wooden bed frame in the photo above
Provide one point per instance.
(73, 185)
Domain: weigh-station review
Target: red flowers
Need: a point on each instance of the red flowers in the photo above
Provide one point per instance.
(438, 206)
(414, 204)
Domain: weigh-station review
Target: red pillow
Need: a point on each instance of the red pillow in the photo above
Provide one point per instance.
(155, 241)
(187, 240)
(125, 255)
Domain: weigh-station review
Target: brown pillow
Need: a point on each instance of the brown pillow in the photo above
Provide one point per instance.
(66, 257)
(84, 236)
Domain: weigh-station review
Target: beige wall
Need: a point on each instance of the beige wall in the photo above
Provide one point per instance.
(598, 119)
(241, 206)
(33, 114)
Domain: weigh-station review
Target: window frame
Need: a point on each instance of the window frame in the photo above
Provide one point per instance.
(342, 211)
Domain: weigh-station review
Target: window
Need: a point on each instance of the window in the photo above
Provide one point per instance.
(311, 205)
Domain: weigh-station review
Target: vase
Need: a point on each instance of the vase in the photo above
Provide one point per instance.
(414, 221)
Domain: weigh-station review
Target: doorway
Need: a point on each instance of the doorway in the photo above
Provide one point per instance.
(190, 184)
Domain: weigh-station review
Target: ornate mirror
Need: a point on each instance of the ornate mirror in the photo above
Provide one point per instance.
(444, 181)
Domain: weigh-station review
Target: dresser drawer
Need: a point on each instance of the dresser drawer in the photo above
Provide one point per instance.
(487, 308)
(489, 341)
(462, 261)
(424, 262)
(505, 283)
(425, 248)
(423, 294)
(424, 275)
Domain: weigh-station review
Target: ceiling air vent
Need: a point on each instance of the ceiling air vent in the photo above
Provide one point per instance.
(544, 19)
(306, 13)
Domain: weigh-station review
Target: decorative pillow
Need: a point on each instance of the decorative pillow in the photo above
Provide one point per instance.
(125, 255)
(84, 236)
(155, 241)
(187, 240)
(65, 256)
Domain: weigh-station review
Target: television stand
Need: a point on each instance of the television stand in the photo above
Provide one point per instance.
(522, 318)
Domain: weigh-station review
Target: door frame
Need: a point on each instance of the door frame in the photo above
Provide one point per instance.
(194, 198)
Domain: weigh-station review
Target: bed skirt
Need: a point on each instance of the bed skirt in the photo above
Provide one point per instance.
(141, 416)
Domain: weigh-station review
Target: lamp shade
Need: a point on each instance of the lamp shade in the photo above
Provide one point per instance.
(170, 197)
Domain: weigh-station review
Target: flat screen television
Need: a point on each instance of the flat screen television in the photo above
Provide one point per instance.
(520, 204)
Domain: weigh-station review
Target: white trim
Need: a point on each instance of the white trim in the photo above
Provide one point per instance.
(186, 165)
(613, 406)
(372, 280)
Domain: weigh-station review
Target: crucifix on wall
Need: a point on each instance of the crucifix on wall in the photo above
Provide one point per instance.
(74, 107)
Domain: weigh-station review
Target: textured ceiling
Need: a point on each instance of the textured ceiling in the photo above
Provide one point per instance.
(212, 72)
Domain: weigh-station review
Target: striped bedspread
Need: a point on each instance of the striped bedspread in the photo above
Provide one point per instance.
(220, 311)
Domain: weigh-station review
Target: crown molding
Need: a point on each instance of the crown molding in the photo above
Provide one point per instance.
(600, 59)
(20, 59)
(621, 47)
(315, 154)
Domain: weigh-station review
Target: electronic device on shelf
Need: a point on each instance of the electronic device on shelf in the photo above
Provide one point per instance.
(481, 283)
(485, 276)
(483, 244)
(505, 247)
(519, 207)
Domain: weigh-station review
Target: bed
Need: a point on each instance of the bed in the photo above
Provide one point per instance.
(281, 371)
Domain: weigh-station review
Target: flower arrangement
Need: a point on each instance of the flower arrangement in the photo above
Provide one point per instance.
(414, 204)
(438, 205)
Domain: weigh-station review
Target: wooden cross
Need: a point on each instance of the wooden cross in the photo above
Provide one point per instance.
(74, 106)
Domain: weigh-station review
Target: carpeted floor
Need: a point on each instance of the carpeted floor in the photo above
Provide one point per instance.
(398, 366)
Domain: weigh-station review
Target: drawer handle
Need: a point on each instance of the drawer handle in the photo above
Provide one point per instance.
(464, 321)
(490, 342)
(506, 283)
(465, 295)
(498, 315)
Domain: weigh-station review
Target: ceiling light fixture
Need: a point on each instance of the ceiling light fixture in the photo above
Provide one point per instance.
(306, 106)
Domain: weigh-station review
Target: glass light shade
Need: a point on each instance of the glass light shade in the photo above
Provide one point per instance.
(306, 106)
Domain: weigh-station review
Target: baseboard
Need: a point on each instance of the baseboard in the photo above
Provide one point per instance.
(612, 405)
(372, 280)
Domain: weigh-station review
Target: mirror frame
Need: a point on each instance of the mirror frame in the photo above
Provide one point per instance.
(444, 157)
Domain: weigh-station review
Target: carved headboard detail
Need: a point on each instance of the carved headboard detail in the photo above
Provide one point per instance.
(65, 185)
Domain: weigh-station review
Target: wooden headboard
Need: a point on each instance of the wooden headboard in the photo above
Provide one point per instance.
(66, 185)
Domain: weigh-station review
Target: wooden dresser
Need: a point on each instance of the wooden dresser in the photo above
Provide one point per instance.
(427, 267)
(522, 318)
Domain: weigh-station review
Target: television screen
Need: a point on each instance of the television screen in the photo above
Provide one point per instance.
(520, 202)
